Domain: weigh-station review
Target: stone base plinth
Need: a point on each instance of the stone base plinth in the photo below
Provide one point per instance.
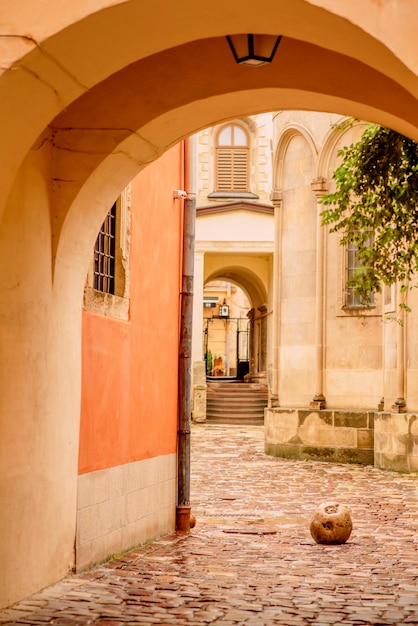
(396, 441)
(344, 436)
(199, 392)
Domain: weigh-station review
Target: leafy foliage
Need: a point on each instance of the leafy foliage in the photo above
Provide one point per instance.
(375, 207)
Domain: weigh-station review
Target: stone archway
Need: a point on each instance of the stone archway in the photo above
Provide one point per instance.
(88, 98)
(258, 314)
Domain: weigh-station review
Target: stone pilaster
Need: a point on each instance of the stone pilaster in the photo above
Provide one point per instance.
(400, 403)
(263, 337)
(276, 198)
(251, 317)
(319, 188)
(199, 392)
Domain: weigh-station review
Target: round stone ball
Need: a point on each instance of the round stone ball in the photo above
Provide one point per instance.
(331, 523)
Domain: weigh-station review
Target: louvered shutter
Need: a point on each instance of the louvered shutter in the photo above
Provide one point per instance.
(240, 170)
(224, 169)
(232, 169)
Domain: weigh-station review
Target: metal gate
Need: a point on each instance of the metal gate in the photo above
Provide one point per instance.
(233, 333)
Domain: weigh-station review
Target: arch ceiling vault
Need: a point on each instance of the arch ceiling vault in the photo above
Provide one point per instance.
(129, 79)
(245, 278)
(90, 92)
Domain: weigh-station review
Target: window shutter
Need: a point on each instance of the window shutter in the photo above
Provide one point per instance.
(232, 171)
(224, 169)
(240, 170)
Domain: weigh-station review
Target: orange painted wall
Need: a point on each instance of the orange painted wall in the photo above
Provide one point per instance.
(129, 372)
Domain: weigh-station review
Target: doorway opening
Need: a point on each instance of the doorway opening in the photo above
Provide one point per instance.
(226, 331)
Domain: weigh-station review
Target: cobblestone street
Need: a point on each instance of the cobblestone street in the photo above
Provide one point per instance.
(250, 560)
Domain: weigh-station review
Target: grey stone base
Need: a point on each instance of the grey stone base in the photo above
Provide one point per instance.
(396, 441)
(343, 436)
(317, 453)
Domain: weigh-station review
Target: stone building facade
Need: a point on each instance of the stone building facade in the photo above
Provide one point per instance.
(343, 373)
(235, 235)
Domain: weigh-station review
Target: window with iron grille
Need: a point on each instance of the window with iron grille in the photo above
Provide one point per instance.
(232, 150)
(107, 287)
(104, 255)
(352, 299)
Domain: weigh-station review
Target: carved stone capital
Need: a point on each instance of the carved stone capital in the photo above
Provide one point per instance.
(274, 400)
(319, 186)
(276, 198)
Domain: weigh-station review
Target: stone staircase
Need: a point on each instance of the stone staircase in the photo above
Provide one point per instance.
(235, 402)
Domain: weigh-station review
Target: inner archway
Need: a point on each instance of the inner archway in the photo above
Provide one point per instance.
(225, 334)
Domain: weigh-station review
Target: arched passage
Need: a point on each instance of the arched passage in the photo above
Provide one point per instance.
(88, 97)
(248, 333)
(244, 277)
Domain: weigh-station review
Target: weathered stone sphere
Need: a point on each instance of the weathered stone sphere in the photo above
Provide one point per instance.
(331, 523)
(192, 520)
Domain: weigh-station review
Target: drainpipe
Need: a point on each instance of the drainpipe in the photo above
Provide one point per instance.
(183, 509)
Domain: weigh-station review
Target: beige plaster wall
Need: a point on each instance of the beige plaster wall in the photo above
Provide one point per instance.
(243, 227)
(40, 369)
(124, 506)
(252, 271)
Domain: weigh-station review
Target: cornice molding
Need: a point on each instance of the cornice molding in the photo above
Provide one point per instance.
(239, 205)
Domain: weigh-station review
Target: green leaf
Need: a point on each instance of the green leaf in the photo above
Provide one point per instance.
(377, 191)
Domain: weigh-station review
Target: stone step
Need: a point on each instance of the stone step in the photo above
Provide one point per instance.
(236, 402)
(214, 388)
(225, 397)
(235, 407)
(235, 386)
(242, 421)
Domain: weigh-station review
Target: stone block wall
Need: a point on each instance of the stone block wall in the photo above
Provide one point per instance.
(124, 506)
(396, 441)
(329, 435)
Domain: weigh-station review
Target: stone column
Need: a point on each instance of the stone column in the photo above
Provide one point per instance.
(251, 347)
(276, 198)
(400, 403)
(199, 391)
(263, 337)
(319, 187)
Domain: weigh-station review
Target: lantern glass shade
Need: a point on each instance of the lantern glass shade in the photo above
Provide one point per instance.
(254, 50)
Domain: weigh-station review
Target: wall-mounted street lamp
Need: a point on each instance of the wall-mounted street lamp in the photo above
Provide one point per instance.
(224, 310)
(254, 50)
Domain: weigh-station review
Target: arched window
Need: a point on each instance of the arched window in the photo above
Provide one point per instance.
(232, 159)
(107, 287)
(105, 254)
(352, 299)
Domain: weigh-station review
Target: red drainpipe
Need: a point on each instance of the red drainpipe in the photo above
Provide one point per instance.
(184, 519)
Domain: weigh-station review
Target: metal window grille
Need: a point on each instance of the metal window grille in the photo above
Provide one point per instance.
(353, 300)
(104, 255)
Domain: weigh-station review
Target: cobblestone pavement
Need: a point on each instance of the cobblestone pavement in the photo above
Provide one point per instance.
(250, 560)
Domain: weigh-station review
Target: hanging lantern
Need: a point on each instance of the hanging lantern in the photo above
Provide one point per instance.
(254, 50)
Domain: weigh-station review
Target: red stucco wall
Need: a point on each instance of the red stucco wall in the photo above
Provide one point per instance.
(129, 372)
